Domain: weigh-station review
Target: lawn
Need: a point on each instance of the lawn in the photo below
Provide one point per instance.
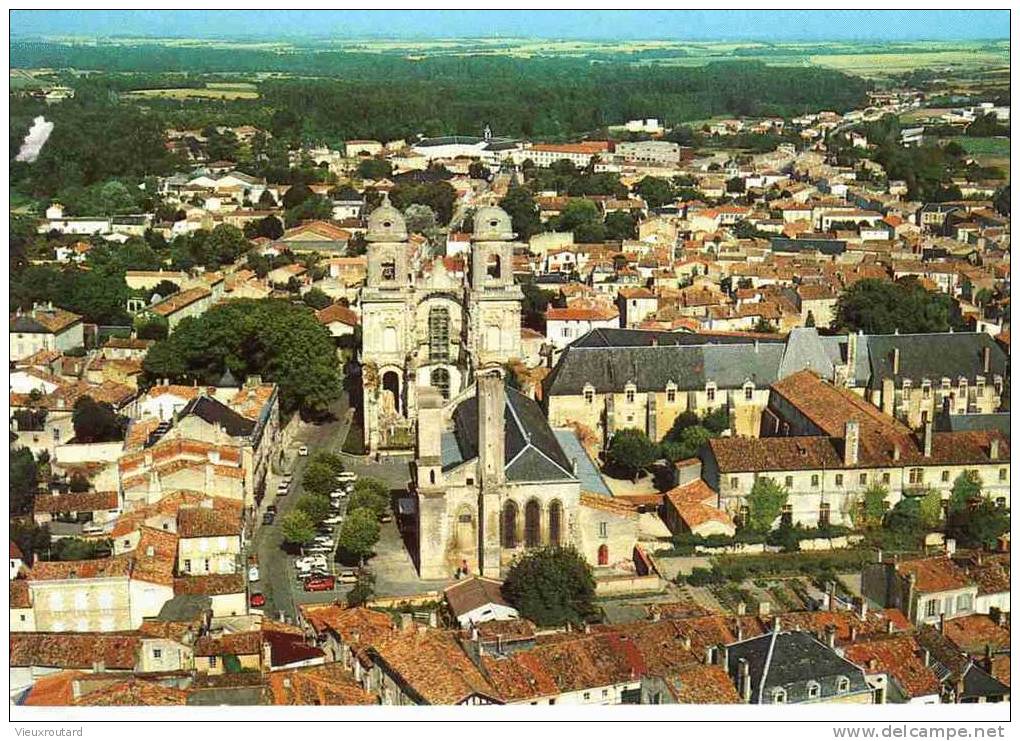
(985, 146)
(219, 92)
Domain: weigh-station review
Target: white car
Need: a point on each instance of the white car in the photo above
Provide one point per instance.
(324, 539)
(347, 477)
(307, 562)
(303, 450)
(334, 520)
(338, 494)
(253, 574)
(316, 548)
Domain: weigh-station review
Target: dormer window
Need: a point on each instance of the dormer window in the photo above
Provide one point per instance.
(946, 384)
(748, 391)
(589, 394)
(906, 388)
(843, 685)
(926, 389)
(710, 392)
(979, 384)
(629, 391)
(814, 690)
(779, 696)
(671, 392)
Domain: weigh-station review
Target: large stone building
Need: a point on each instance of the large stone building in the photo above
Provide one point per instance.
(423, 327)
(492, 478)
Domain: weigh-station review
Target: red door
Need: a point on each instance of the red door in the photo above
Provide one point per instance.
(603, 555)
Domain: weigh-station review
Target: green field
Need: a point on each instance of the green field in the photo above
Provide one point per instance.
(987, 146)
(213, 91)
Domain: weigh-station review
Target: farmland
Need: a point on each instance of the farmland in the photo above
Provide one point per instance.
(212, 91)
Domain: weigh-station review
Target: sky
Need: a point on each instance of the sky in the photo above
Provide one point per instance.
(693, 25)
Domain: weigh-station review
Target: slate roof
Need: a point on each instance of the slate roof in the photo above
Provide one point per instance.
(531, 449)
(790, 660)
(690, 367)
(973, 422)
(934, 356)
(217, 413)
(185, 608)
(613, 337)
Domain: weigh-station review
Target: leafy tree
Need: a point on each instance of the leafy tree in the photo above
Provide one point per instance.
(363, 589)
(478, 171)
(78, 549)
(980, 525)
(536, 301)
(765, 503)
(266, 201)
(439, 196)
(763, 326)
(359, 533)
(155, 328)
(23, 482)
(810, 320)
(269, 227)
(318, 478)
(310, 209)
(620, 225)
(420, 218)
(735, 185)
(273, 338)
(930, 508)
(298, 528)
(551, 586)
(905, 518)
(872, 508)
(880, 307)
(966, 489)
(374, 169)
(687, 442)
(370, 494)
(631, 450)
(79, 483)
(655, 191)
(316, 506)
(520, 204)
(297, 194)
(332, 460)
(95, 422)
(717, 421)
(31, 538)
(316, 299)
(1001, 200)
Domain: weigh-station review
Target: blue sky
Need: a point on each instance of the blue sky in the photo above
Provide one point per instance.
(694, 25)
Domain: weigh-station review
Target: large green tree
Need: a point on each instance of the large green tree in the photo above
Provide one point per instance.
(273, 338)
(520, 204)
(879, 307)
(631, 450)
(551, 586)
(23, 481)
(359, 533)
(298, 528)
(765, 503)
(96, 422)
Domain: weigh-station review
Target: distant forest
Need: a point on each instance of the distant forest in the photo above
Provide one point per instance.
(329, 96)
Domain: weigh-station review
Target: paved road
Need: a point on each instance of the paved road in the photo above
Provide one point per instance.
(277, 579)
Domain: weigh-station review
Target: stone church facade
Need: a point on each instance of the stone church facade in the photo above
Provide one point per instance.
(423, 327)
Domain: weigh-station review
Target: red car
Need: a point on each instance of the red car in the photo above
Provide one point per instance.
(319, 584)
(257, 599)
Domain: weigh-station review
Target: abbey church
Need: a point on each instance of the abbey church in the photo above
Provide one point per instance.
(424, 327)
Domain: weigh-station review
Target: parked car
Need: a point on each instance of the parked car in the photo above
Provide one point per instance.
(268, 517)
(319, 550)
(320, 584)
(257, 599)
(310, 561)
(337, 494)
(348, 576)
(323, 540)
(288, 477)
(253, 573)
(271, 508)
(385, 517)
(347, 477)
(303, 450)
(334, 520)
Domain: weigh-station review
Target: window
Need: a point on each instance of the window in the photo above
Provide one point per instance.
(787, 516)
(824, 511)
(1000, 502)
(605, 693)
(671, 396)
(745, 515)
(212, 662)
(926, 389)
(862, 479)
(843, 685)
(493, 267)
(916, 476)
(1002, 474)
(931, 608)
(187, 564)
(814, 690)
(945, 477)
(603, 529)
(439, 334)
(789, 482)
(532, 524)
(389, 271)
(710, 394)
(587, 695)
(509, 525)
(440, 379)
(839, 480)
(748, 392)
(630, 391)
(779, 696)
(814, 481)
(589, 396)
(566, 332)
(885, 478)
(207, 564)
(734, 482)
(157, 653)
(964, 603)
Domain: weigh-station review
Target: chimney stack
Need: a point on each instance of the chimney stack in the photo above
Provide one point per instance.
(896, 361)
(851, 443)
(942, 623)
(775, 624)
(986, 359)
(722, 655)
(830, 636)
(993, 449)
(744, 680)
(928, 426)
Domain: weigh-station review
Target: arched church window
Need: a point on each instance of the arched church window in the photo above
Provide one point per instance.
(555, 522)
(439, 334)
(440, 379)
(493, 266)
(508, 525)
(532, 524)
